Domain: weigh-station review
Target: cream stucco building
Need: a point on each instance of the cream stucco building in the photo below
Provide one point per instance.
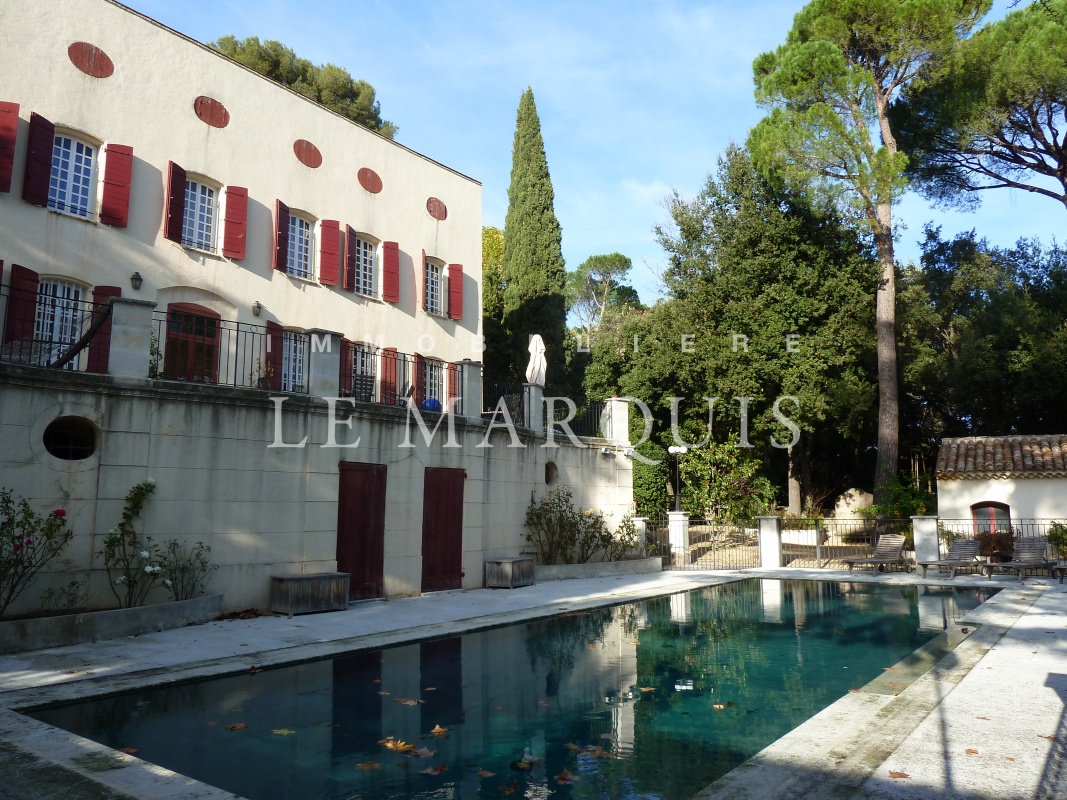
(193, 258)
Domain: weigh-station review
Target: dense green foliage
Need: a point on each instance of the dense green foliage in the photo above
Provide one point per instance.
(495, 356)
(984, 340)
(750, 265)
(719, 483)
(597, 286)
(532, 268)
(329, 85)
(829, 88)
(998, 116)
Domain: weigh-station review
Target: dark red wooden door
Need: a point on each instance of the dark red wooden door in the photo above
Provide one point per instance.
(361, 528)
(442, 529)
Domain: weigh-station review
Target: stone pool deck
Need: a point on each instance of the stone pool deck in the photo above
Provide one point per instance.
(988, 721)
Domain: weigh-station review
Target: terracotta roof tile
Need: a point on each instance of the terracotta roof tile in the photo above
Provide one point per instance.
(1003, 456)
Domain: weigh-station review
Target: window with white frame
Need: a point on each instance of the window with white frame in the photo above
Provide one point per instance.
(433, 288)
(363, 372)
(198, 228)
(59, 320)
(435, 381)
(70, 187)
(364, 256)
(294, 361)
(299, 262)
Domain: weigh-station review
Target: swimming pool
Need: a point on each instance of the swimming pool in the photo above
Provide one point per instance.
(653, 699)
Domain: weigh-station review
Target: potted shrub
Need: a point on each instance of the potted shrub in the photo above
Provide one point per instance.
(1057, 537)
(997, 546)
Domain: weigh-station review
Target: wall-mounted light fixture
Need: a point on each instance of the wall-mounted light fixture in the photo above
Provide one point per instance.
(256, 308)
(136, 280)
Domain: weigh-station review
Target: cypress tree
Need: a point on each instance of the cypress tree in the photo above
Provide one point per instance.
(533, 271)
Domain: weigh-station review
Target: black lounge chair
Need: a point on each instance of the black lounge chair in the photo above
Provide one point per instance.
(961, 553)
(1029, 553)
(889, 551)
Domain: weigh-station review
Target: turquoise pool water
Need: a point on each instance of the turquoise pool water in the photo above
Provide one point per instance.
(653, 699)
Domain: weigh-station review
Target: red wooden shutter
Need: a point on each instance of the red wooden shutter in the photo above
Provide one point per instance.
(281, 236)
(38, 160)
(391, 272)
(118, 174)
(453, 385)
(420, 380)
(235, 221)
(9, 128)
(348, 355)
(100, 346)
(388, 380)
(275, 347)
(329, 251)
(21, 304)
(350, 259)
(174, 218)
(455, 291)
(420, 282)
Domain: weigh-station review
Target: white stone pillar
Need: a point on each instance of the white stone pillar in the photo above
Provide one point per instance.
(324, 363)
(925, 534)
(131, 338)
(770, 542)
(617, 421)
(641, 524)
(678, 535)
(533, 401)
(470, 385)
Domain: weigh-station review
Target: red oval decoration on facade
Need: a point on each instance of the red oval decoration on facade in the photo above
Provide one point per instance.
(437, 209)
(90, 59)
(369, 180)
(307, 154)
(211, 112)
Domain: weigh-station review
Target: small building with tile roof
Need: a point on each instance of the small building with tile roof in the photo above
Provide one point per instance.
(995, 480)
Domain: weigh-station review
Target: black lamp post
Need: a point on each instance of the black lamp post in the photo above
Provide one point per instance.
(677, 451)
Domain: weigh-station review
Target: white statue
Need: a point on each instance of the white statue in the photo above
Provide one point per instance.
(535, 371)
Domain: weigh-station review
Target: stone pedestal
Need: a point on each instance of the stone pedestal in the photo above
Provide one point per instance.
(770, 542)
(533, 403)
(470, 387)
(324, 363)
(925, 535)
(131, 338)
(678, 536)
(616, 422)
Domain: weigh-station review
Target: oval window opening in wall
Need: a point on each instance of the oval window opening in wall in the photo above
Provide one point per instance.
(211, 112)
(90, 59)
(436, 209)
(551, 473)
(70, 438)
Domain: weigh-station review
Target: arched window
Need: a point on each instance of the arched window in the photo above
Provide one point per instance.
(989, 517)
(191, 351)
(70, 188)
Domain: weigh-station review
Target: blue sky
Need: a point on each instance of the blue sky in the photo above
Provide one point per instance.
(635, 99)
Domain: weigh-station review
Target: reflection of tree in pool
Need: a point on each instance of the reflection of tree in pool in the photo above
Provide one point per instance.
(556, 641)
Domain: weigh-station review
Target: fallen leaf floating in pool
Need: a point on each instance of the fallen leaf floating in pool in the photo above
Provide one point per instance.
(971, 751)
(484, 773)
(213, 723)
(543, 703)
(718, 706)
(893, 774)
(396, 746)
(377, 680)
(424, 752)
(648, 688)
(566, 777)
(854, 691)
(986, 718)
(403, 765)
(499, 708)
(510, 789)
(384, 694)
(573, 747)
(283, 732)
(434, 770)
(596, 751)
(367, 766)
(521, 765)
(407, 701)
(889, 669)
(236, 726)
(430, 689)
(439, 732)
(128, 750)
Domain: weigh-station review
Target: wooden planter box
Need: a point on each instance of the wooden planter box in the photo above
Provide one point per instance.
(508, 573)
(308, 594)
